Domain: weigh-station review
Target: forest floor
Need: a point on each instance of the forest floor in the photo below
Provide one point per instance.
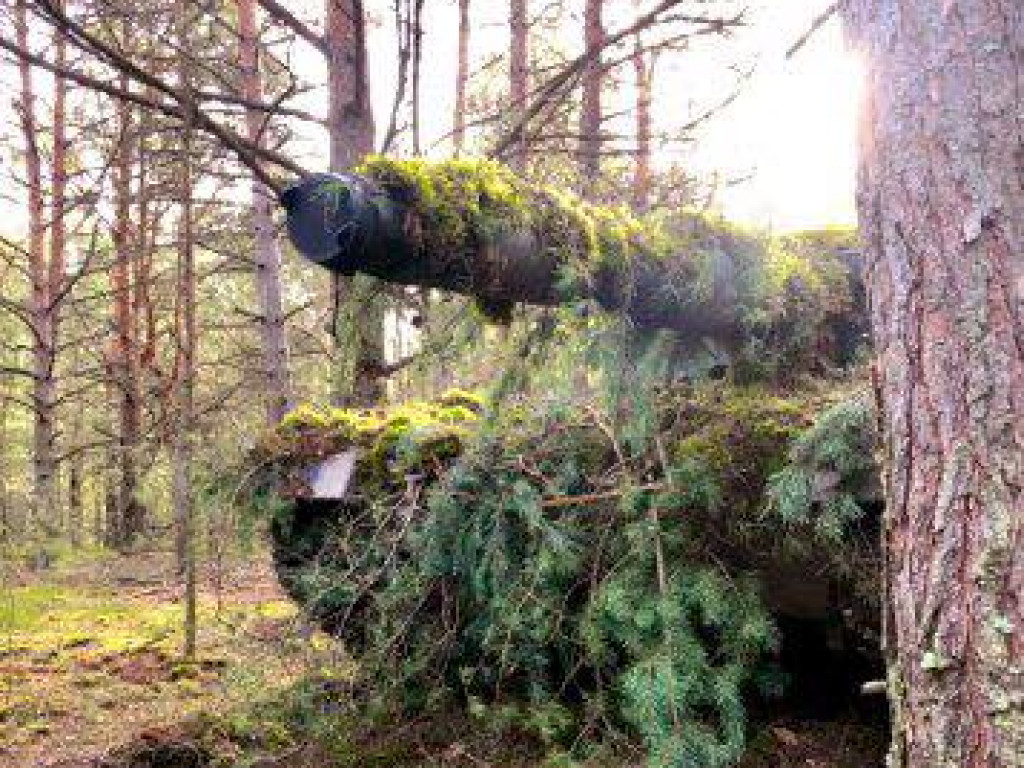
(90, 677)
(90, 649)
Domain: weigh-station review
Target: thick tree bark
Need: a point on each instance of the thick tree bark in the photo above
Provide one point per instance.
(519, 67)
(359, 319)
(941, 203)
(461, 81)
(276, 381)
(590, 112)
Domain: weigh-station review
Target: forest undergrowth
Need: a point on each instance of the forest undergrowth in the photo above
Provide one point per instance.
(90, 676)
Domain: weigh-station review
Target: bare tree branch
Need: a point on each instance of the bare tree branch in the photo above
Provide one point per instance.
(818, 22)
(247, 153)
(564, 78)
(295, 24)
(274, 108)
(8, 370)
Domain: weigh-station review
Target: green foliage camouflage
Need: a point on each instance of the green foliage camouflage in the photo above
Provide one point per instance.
(609, 568)
(595, 570)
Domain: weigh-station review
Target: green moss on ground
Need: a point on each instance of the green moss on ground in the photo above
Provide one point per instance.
(87, 663)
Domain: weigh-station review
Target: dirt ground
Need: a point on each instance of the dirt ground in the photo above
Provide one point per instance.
(90, 652)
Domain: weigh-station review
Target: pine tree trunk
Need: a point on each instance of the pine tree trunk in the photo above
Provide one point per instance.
(76, 513)
(106, 529)
(461, 81)
(45, 497)
(58, 231)
(351, 116)
(182, 492)
(941, 202)
(590, 115)
(99, 507)
(642, 74)
(184, 385)
(518, 76)
(6, 518)
(276, 381)
(359, 326)
(59, 180)
(146, 245)
(6, 523)
(417, 67)
(124, 364)
(76, 467)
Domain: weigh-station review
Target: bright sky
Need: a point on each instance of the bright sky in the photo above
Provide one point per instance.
(794, 127)
(792, 131)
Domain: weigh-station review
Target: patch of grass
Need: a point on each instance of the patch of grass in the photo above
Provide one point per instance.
(85, 665)
(63, 619)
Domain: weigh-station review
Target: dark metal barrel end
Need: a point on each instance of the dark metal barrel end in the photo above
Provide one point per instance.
(328, 217)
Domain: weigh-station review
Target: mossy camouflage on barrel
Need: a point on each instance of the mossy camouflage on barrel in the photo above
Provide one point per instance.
(476, 228)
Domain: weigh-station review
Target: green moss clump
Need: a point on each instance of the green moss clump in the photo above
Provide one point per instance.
(465, 205)
(458, 201)
(408, 438)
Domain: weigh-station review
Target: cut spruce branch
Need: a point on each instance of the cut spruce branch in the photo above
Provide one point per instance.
(475, 228)
(438, 537)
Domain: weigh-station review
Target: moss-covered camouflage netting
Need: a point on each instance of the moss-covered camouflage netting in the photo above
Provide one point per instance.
(476, 228)
(593, 573)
